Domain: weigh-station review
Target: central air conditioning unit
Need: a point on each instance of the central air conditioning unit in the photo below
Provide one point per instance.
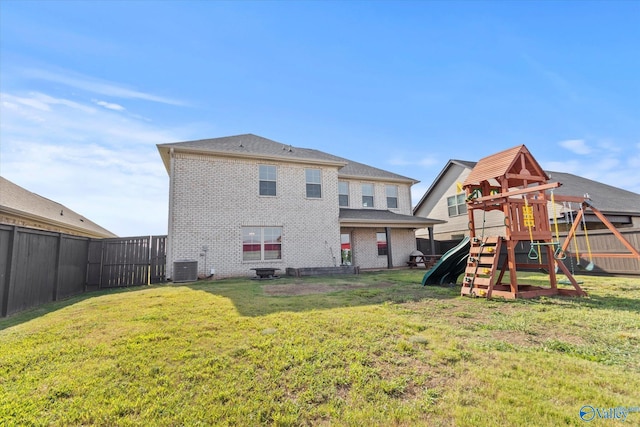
(185, 271)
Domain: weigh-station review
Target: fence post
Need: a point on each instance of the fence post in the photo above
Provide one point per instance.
(56, 279)
(10, 279)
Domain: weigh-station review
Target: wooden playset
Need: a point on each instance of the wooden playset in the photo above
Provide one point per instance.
(513, 182)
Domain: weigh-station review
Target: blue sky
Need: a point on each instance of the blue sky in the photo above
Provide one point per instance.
(89, 88)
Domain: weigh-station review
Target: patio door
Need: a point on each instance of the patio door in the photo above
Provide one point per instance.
(346, 254)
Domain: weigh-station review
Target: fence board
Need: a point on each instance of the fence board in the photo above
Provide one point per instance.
(73, 266)
(32, 284)
(158, 259)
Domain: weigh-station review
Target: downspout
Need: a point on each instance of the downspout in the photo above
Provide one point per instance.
(170, 231)
(387, 232)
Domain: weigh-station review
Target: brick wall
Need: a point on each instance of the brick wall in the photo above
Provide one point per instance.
(213, 198)
(365, 247)
(380, 196)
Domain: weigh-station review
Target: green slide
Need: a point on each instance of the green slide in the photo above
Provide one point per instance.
(450, 266)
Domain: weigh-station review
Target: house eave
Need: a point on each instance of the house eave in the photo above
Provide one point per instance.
(381, 224)
(378, 179)
(165, 150)
(64, 227)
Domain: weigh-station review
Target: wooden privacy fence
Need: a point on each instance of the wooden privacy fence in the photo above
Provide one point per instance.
(37, 266)
(127, 261)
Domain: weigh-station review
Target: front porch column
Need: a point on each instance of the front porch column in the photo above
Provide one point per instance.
(431, 241)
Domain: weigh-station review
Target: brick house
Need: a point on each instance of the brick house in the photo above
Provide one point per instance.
(244, 201)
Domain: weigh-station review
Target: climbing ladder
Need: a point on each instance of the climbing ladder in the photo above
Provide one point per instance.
(481, 266)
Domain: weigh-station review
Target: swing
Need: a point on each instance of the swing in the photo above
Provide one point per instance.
(591, 265)
(558, 253)
(569, 211)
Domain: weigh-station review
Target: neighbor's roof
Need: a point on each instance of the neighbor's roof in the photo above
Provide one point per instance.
(17, 201)
(253, 146)
(605, 198)
(383, 218)
(450, 164)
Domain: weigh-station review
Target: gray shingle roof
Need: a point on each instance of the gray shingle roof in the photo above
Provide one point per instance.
(249, 145)
(384, 216)
(254, 146)
(360, 170)
(605, 198)
(19, 201)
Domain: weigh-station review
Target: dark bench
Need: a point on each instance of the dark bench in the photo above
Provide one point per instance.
(265, 272)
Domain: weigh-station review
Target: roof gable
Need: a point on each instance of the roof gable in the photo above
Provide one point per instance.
(249, 145)
(451, 164)
(253, 146)
(514, 167)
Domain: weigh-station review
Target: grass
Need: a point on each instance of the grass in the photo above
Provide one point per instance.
(379, 350)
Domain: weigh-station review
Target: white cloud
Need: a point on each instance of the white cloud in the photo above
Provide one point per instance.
(577, 146)
(616, 170)
(93, 85)
(93, 160)
(109, 105)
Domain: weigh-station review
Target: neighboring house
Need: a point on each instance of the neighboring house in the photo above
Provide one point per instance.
(26, 209)
(444, 201)
(243, 202)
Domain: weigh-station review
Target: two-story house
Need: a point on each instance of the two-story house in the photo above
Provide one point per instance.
(243, 202)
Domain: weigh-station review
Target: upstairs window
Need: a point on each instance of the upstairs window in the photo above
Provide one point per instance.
(314, 183)
(367, 195)
(456, 205)
(343, 193)
(267, 180)
(392, 196)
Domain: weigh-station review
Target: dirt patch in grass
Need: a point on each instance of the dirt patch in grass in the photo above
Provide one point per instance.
(293, 289)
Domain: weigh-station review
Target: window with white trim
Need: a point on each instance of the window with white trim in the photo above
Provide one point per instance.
(456, 205)
(314, 183)
(392, 196)
(367, 195)
(343, 193)
(261, 243)
(268, 180)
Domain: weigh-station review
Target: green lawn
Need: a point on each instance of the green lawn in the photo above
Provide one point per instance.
(373, 349)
